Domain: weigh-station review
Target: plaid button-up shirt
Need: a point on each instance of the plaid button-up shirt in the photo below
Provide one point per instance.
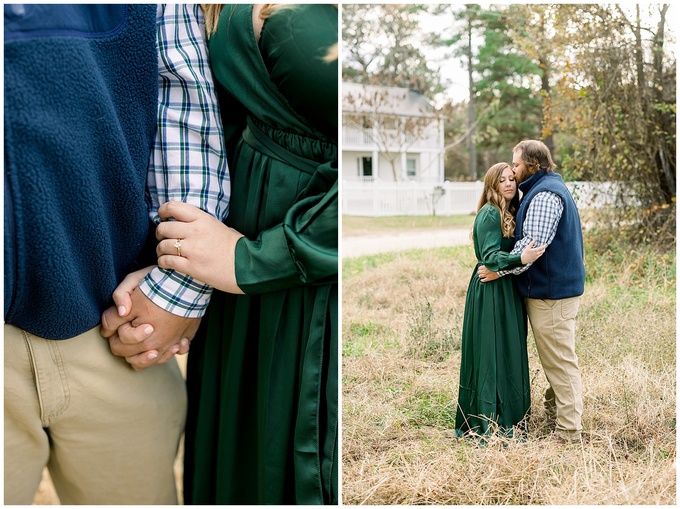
(188, 161)
(540, 224)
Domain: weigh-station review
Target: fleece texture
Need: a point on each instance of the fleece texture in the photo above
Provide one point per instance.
(80, 86)
(559, 273)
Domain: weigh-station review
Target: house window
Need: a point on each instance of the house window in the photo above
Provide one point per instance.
(365, 166)
(411, 168)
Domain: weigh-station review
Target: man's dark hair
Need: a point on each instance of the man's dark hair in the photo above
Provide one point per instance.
(536, 156)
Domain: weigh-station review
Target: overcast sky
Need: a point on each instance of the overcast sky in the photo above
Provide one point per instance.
(454, 72)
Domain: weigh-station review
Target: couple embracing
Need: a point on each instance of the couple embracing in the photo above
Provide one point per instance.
(119, 118)
(538, 241)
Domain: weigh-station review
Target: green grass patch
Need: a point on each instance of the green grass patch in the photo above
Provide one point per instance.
(462, 256)
(357, 337)
(641, 269)
(357, 225)
(353, 267)
(431, 408)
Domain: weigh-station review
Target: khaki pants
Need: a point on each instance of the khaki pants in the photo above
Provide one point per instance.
(108, 434)
(553, 324)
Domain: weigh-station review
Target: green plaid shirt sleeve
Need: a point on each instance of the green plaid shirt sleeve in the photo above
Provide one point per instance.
(188, 160)
(540, 224)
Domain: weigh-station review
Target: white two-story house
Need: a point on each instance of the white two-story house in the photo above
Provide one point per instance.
(391, 134)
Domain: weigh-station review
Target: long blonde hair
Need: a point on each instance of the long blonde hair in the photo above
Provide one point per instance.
(492, 195)
(212, 13)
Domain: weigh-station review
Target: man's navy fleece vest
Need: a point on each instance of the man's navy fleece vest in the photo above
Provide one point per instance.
(80, 108)
(559, 273)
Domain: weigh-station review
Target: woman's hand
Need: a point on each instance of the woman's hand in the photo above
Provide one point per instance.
(197, 244)
(531, 253)
(485, 275)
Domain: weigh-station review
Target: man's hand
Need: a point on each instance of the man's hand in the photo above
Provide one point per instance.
(142, 332)
(485, 275)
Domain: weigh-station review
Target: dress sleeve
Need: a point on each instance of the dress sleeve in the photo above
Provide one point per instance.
(489, 236)
(303, 249)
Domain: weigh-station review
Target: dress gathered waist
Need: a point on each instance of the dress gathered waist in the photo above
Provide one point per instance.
(264, 139)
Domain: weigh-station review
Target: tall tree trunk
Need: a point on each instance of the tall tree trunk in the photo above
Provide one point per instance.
(639, 58)
(666, 162)
(394, 170)
(545, 88)
(471, 107)
(544, 64)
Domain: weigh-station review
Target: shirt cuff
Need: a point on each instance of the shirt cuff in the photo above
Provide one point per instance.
(516, 267)
(177, 293)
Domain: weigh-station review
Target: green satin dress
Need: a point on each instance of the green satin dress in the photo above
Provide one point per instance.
(494, 373)
(262, 424)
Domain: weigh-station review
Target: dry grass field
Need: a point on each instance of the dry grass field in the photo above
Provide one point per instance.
(402, 319)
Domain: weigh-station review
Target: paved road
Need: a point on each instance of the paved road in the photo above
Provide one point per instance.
(353, 246)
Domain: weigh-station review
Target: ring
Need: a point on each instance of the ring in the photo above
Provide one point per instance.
(178, 245)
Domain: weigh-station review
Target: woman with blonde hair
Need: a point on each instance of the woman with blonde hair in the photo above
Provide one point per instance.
(262, 376)
(494, 391)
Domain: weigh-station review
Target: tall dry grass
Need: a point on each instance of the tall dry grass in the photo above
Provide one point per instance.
(402, 318)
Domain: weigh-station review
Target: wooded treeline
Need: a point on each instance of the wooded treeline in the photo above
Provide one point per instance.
(596, 82)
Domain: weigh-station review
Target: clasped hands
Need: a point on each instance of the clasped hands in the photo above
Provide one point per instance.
(141, 331)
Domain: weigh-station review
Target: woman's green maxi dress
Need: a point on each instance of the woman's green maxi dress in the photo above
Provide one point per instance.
(262, 424)
(494, 373)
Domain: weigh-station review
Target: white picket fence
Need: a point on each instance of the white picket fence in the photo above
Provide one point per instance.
(379, 198)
